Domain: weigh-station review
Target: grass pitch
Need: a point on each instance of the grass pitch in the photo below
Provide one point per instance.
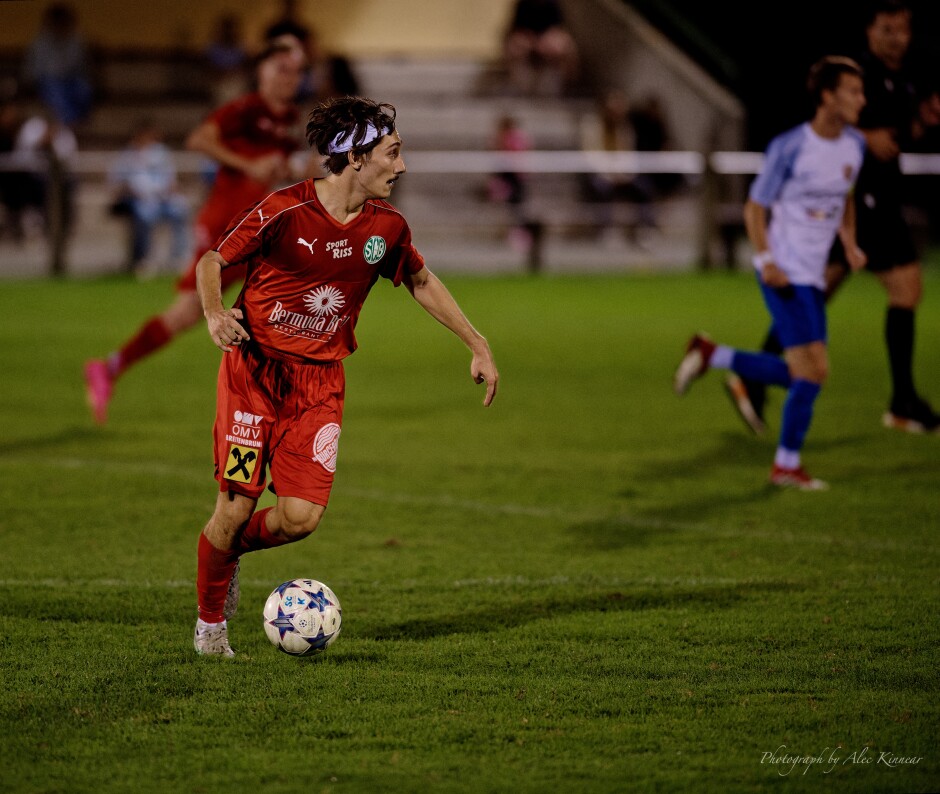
(587, 587)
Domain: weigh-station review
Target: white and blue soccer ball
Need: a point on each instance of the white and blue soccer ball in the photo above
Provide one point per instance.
(302, 617)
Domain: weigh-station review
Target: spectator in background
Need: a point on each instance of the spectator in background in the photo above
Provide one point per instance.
(541, 54)
(509, 186)
(610, 129)
(330, 75)
(289, 23)
(21, 191)
(651, 132)
(26, 193)
(228, 60)
(143, 178)
(57, 65)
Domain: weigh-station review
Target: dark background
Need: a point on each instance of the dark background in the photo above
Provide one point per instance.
(762, 51)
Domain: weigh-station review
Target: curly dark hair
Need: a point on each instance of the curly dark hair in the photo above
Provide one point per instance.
(352, 115)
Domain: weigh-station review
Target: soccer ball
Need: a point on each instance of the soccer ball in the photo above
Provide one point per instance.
(302, 617)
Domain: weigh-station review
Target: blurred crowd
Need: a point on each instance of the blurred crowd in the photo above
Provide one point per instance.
(44, 106)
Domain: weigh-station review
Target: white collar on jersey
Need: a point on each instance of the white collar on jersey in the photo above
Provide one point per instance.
(343, 141)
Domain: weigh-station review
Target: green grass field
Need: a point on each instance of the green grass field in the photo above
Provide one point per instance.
(586, 588)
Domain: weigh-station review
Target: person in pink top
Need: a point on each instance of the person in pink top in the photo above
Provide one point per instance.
(312, 252)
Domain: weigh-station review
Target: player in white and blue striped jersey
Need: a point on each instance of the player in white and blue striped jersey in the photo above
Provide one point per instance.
(796, 207)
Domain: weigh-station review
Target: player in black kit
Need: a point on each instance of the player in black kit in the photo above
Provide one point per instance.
(883, 233)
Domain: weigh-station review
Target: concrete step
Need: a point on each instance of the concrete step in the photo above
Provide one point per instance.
(404, 76)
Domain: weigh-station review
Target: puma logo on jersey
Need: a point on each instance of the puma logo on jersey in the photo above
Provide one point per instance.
(302, 241)
(261, 216)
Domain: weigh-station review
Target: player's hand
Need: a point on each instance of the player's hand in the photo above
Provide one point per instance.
(882, 143)
(856, 257)
(225, 330)
(268, 168)
(483, 369)
(773, 276)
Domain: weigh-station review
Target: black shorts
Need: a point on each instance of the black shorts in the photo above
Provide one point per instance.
(883, 235)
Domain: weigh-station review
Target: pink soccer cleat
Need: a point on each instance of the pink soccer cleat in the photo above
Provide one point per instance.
(98, 389)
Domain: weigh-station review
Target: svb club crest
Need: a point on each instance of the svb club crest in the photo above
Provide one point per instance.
(374, 249)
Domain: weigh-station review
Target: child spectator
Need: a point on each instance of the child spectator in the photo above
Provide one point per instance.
(144, 180)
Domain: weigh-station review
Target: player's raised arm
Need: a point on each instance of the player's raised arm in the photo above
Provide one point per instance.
(224, 328)
(437, 301)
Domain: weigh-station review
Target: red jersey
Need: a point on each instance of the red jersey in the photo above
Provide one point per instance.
(249, 127)
(308, 274)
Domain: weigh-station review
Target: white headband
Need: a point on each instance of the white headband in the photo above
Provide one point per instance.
(343, 142)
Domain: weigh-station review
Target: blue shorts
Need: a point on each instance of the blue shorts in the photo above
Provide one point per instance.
(798, 312)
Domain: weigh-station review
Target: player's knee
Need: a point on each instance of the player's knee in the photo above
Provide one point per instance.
(228, 520)
(818, 367)
(298, 518)
(904, 287)
(813, 367)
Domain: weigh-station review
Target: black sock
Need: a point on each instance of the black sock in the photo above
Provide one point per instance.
(899, 335)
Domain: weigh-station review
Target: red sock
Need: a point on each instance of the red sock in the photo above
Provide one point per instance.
(213, 574)
(256, 535)
(151, 336)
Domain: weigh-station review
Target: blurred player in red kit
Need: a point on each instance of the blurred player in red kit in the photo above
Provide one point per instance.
(313, 251)
(251, 139)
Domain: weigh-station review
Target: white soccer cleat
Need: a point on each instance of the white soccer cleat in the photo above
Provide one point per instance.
(233, 595)
(694, 364)
(211, 639)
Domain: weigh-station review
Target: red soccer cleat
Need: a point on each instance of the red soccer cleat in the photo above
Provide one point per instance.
(694, 364)
(796, 478)
(98, 389)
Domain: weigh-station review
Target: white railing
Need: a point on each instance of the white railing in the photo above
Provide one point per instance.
(714, 213)
(487, 162)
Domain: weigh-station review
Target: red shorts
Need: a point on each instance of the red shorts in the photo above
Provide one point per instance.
(281, 415)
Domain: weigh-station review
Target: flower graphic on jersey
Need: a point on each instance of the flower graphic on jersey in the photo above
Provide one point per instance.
(324, 300)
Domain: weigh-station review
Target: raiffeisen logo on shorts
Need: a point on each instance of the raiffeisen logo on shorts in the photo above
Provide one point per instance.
(245, 429)
(321, 319)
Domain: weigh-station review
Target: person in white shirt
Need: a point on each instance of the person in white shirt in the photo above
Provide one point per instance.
(144, 180)
(796, 207)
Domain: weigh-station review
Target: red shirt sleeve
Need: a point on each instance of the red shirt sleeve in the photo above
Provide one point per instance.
(403, 258)
(250, 233)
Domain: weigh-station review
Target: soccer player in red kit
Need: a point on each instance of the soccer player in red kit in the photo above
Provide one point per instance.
(251, 138)
(313, 251)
